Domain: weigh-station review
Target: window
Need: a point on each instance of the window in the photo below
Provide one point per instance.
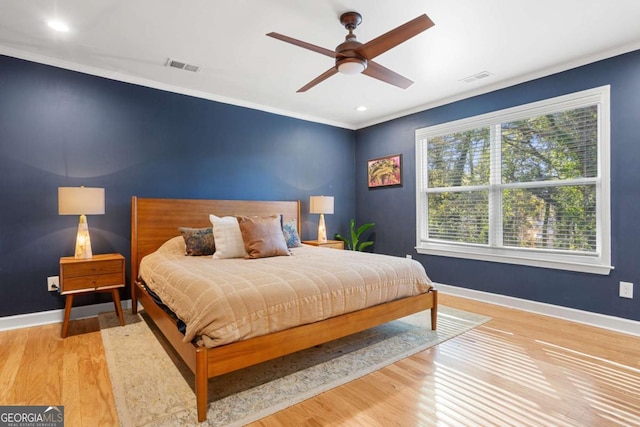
(528, 185)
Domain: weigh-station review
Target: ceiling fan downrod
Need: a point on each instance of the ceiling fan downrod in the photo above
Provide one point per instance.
(347, 60)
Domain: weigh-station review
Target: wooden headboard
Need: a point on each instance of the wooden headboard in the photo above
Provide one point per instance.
(154, 221)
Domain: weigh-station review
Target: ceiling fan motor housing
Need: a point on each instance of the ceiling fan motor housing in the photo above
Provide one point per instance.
(347, 60)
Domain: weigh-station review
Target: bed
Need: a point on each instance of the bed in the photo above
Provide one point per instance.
(154, 222)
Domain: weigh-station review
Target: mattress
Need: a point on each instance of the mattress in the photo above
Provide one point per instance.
(227, 300)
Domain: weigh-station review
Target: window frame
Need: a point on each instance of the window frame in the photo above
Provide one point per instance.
(596, 263)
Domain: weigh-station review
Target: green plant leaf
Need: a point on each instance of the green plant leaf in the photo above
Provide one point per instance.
(364, 227)
(364, 245)
(355, 236)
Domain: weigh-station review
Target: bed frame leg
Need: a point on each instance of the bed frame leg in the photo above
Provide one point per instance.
(202, 383)
(434, 310)
(134, 297)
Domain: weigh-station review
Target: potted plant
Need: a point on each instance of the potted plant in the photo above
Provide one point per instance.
(354, 243)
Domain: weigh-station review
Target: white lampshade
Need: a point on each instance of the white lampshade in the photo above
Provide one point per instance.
(321, 204)
(81, 201)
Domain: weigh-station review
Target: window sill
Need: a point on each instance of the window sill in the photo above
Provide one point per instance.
(592, 265)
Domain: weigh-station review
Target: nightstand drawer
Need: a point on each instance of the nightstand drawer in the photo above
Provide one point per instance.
(91, 282)
(91, 268)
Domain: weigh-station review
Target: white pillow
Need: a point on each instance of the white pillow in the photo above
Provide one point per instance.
(227, 237)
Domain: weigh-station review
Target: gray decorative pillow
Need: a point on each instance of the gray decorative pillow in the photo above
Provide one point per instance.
(198, 241)
(290, 231)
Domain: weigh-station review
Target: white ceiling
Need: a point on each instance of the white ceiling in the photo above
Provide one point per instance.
(514, 40)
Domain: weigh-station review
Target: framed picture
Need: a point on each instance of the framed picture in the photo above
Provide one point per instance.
(385, 171)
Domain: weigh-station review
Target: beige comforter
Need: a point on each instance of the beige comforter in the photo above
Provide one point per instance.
(227, 300)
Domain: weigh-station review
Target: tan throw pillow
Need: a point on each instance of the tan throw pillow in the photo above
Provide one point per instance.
(262, 236)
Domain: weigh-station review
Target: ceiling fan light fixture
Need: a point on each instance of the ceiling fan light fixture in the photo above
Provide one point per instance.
(352, 66)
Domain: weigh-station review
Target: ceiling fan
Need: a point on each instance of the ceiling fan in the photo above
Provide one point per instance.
(353, 57)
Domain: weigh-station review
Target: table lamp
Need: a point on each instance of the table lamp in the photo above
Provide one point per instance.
(321, 205)
(81, 201)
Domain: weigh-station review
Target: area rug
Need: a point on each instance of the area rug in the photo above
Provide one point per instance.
(153, 387)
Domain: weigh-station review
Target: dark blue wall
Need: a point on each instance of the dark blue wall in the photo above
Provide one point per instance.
(393, 209)
(62, 128)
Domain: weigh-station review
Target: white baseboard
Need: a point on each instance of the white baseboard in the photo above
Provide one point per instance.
(56, 316)
(617, 324)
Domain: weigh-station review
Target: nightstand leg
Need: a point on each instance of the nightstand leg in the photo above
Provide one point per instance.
(67, 313)
(116, 302)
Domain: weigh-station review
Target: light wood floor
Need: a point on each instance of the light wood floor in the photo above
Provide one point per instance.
(518, 369)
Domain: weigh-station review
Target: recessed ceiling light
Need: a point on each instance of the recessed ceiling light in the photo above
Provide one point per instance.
(58, 26)
(361, 108)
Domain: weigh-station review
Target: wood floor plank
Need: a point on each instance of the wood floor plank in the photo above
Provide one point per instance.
(12, 348)
(71, 381)
(39, 370)
(96, 398)
(107, 414)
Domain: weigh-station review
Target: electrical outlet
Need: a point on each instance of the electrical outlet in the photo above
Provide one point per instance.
(53, 283)
(626, 290)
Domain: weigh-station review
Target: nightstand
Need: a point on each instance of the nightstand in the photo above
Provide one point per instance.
(334, 244)
(102, 273)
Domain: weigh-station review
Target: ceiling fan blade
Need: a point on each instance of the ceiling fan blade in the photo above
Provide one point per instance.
(305, 45)
(322, 77)
(393, 38)
(379, 72)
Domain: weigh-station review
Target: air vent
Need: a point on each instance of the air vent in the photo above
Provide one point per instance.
(478, 76)
(181, 65)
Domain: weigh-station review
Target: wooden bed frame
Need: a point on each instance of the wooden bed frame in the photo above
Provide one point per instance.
(154, 221)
